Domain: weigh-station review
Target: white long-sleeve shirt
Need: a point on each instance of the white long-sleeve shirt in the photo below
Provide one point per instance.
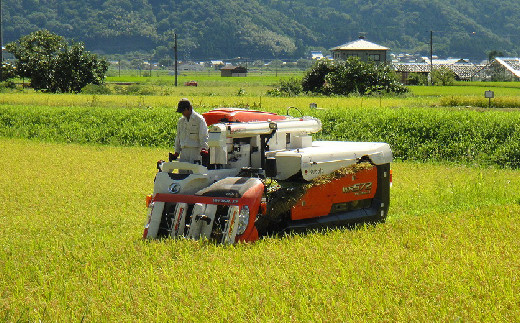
(192, 133)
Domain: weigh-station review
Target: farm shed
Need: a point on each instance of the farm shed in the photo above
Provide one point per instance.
(365, 50)
(463, 72)
(233, 71)
(501, 69)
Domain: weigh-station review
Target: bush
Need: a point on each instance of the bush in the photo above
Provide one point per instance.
(95, 89)
(289, 87)
(352, 77)
(417, 79)
(8, 72)
(443, 76)
(7, 85)
(490, 137)
(137, 89)
(314, 79)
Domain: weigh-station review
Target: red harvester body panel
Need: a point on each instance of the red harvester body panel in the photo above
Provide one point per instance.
(239, 115)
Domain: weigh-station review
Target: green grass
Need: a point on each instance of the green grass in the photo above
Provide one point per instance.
(425, 134)
(71, 249)
(211, 97)
(502, 102)
(208, 78)
(501, 90)
(490, 84)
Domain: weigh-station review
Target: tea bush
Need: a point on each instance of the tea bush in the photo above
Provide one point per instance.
(424, 134)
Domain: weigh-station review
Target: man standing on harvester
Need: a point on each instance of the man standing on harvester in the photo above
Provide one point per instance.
(191, 141)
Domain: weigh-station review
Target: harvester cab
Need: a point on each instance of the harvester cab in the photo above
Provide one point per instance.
(266, 175)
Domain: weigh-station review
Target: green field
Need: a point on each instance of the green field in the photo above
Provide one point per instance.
(72, 249)
(414, 133)
(251, 91)
(75, 170)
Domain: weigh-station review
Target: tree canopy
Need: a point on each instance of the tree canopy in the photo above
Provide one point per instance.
(351, 77)
(53, 64)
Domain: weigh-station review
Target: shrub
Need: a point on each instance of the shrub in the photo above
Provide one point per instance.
(7, 85)
(443, 76)
(8, 72)
(490, 137)
(314, 79)
(95, 89)
(417, 79)
(289, 87)
(352, 77)
(136, 89)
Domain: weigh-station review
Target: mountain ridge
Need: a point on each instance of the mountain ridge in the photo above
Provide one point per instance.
(271, 28)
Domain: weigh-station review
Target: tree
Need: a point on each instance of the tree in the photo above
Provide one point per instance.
(351, 76)
(8, 72)
(443, 76)
(74, 68)
(417, 79)
(304, 63)
(276, 63)
(55, 65)
(493, 54)
(34, 54)
(314, 79)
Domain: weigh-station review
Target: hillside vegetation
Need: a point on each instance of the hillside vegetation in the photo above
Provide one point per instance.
(271, 28)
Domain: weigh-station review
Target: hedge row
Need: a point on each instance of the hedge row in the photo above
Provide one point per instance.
(507, 102)
(490, 137)
(118, 126)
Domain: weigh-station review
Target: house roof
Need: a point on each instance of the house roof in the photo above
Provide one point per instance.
(231, 67)
(228, 67)
(360, 44)
(463, 71)
(512, 64)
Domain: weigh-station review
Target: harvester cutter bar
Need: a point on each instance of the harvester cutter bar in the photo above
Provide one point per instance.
(193, 199)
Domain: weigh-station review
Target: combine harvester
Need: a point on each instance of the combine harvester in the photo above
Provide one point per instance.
(265, 175)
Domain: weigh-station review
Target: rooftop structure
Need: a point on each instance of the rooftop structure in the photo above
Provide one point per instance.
(365, 50)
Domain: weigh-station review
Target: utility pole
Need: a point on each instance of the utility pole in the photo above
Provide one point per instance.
(431, 57)
(176, 60)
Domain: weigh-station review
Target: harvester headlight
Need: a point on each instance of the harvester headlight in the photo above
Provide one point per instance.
(174, 188)
(243, 220)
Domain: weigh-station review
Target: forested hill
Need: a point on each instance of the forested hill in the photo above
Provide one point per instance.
(272, 28)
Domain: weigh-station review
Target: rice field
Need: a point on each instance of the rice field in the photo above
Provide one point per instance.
(73, 207)
(71, 249)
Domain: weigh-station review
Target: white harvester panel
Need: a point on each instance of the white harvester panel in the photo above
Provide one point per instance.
(300, 142)
(155, 219)
(207, 226)
(179, 220)
(202, 219)
(195, 225)
(230, 231)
